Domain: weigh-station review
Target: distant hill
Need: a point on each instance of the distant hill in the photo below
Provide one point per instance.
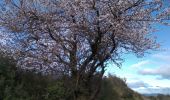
(152, 94)
(157, 96)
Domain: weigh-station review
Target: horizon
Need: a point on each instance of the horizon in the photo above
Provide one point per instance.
(149, 74)
(77, 39)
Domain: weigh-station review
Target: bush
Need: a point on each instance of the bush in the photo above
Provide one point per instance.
(17, 84)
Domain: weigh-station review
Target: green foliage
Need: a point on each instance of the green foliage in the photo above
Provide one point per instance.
(17, 84)
(159, 97)
(55, 91)
(114, 88)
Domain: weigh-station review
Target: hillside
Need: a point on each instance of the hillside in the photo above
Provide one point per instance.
(114, 88)
(16, 84)
(159, 97)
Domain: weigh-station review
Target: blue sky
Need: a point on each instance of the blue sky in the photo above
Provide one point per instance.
(150, 74)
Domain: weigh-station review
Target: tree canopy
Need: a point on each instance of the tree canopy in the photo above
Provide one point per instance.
(79, 37)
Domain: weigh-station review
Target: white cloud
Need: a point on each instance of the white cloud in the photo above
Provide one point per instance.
(162, 66)
(140, 64)
(137, 84)
(165, 56)
(146, 87)
(152, 86)
(151, 75)
(163, 71)
(153, 90)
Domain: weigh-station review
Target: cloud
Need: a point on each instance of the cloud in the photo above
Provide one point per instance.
(138, 84)
(163, 71)
(162, 66)
(140, 64)
(153, 90)
(146, 88)
(165, 56)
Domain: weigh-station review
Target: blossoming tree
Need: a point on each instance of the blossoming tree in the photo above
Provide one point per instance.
(79, 38)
